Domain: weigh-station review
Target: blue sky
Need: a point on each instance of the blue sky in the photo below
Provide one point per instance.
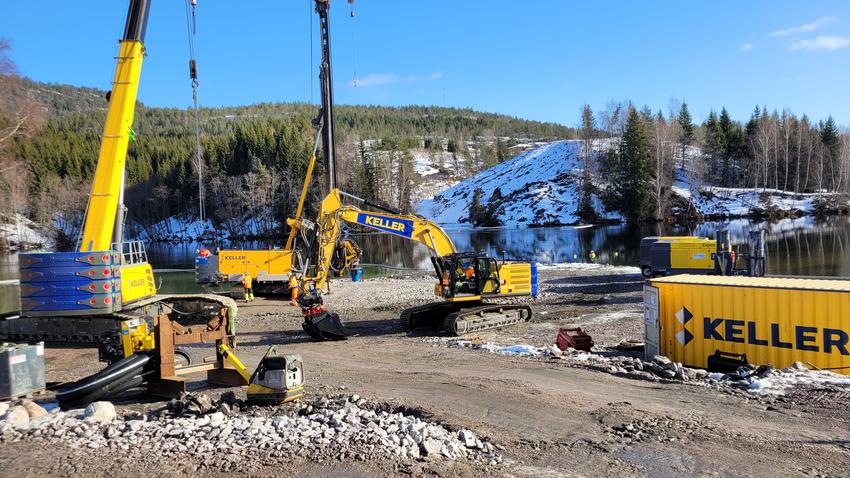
(538, 60)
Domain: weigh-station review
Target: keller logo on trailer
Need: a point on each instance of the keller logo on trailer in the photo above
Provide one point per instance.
(684, 316)
(400, 227)
(798, 337)
(807, 338)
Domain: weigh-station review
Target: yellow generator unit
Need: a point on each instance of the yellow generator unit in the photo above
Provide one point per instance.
(695, 319)
(668, 255)
(268, 268)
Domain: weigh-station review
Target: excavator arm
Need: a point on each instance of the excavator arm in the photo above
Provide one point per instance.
(333, 213)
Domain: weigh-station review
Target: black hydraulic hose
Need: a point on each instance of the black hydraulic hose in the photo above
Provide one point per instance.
(106, 391)
(104, 382)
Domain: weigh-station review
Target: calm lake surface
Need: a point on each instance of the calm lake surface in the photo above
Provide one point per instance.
(803, 246)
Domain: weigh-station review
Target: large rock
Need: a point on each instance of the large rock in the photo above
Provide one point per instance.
(467, 438)
(431, 447)
(18, 417)
(35, 410)
(102, 412)
(662, 360)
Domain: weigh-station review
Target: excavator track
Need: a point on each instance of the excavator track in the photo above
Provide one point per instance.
(428, 315)
(485, 317)
(459, 318)
(190, 308)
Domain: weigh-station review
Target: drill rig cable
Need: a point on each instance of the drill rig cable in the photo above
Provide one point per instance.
(191, 28)
(353, 47)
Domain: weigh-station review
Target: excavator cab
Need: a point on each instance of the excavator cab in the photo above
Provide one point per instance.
(468, 275)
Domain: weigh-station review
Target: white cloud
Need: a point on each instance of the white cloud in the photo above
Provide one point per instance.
(376, 79)
(825, 42)
(806, 27)
(747, 47)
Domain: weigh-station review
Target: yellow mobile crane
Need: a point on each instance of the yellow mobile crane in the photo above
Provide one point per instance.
(105, 291)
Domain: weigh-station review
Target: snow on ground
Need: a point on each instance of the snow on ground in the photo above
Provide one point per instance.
(537, 187)
(777, 382)
(589, 266)
(21, 232)
(181, 228)
(771, 382)
(730, 202)
(423, 163)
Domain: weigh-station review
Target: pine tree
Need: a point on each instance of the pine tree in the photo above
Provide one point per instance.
(633, 175)
(715, 147)
(686, 128)
(831, 138)
(475, 207)
(734, 144)
(585, 210)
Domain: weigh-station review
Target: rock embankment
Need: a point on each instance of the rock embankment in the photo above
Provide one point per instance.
(344, 428)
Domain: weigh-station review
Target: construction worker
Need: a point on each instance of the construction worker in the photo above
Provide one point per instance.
(293, 288)
(248, 285)
(592, 255)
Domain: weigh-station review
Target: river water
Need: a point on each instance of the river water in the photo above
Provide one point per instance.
(803, 246)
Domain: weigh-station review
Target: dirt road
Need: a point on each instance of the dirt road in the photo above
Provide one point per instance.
(552, 419)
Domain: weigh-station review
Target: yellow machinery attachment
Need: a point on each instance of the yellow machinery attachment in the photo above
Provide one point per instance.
(136, 336)
(277, 378)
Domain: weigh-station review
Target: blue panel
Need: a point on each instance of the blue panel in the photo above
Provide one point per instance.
(75, 289)
(534, 287)
(68, 259)
(102, 303)
(69, 274)
(399, 227)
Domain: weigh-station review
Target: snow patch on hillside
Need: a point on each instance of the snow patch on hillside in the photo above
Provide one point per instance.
(537, 187)
(738, 202)
(21, 233)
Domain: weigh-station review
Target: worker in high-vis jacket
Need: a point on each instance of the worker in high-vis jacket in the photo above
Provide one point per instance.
(293, 289)
(248, 285)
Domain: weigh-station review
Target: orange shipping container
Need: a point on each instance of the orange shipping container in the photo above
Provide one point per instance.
(775, 321)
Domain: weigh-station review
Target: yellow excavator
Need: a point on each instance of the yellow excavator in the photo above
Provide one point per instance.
(465, 281)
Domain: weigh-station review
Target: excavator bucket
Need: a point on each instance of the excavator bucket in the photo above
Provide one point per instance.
(326, 326)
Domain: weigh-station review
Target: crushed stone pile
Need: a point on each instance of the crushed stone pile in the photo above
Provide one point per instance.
(328, 428)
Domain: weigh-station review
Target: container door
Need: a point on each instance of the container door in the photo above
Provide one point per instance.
(652, 324)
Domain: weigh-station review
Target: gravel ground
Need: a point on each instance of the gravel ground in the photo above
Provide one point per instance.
(553, 416)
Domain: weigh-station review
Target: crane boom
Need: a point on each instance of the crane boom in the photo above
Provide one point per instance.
(104, 214)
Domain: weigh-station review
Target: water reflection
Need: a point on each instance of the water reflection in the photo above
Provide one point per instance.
(803, 246)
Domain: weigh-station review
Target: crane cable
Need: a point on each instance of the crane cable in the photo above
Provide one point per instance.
(310, 71)
(191, 30)
(353, 46)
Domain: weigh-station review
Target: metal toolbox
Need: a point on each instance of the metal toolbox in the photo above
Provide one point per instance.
(21, 369)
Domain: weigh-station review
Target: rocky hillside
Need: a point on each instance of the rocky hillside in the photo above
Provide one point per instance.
(538, 187)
